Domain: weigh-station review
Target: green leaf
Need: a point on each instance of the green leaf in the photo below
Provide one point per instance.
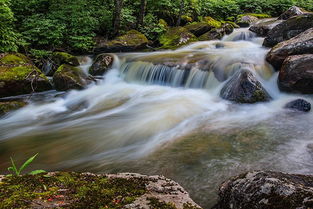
(14, 169)
(29, 161)
(35, 172)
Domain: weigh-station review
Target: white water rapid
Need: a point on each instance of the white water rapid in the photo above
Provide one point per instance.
(160, 113)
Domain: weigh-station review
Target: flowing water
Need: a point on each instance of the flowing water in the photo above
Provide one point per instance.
(160, 113)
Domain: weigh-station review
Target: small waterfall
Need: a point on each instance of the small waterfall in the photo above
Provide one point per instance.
(242, 34)
(85, 63)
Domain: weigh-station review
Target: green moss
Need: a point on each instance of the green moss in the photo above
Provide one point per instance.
(163, 23)
(15, 59)
(186, 18)
(156, 204)
(260, 16)
(19, 73)
(230, 22)
(64, 58)
(176, 37)
(212, 22)
(6, 107)
(69, 190)
(131, 38)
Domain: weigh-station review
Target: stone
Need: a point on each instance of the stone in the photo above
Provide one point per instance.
(8, 106)
(217, 33)
(266, 190)
(69, 77)
(101, 65)
(243, 87)
(301, 44)
(262, 27)
(288, 29)
(296, 74)
(292, 11)
(299, 105)
(176, 37)
(246, 20)
(198, 28)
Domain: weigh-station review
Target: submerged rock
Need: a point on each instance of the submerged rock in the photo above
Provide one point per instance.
(217, 33)
(246, 20)
(102, 64)
(301, 44)
(300, 105)
(131, 41)
(176, 37)
(19, 76)
(266, 190)
(8, 106)
(86, 190)
(292, 11)
(296, 74)
(262, 27)
(288, 29)
(69, 77)
(243, 87)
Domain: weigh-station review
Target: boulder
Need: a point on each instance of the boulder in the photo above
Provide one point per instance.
(102, 64)
(288, 29)
(243, 87)
(266, 190)
(58, 59)
(301, 44)
(69, 77)
(217, 33)
(176, 37)
(296, 74)
(292, 11)
(19, 76)
(131, 41)
(87, 190)
(262, 27)
(246, 20)
(8, 106)
(198, 28)
(300, 105)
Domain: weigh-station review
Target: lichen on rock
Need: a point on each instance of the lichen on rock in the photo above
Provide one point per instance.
(176, 37)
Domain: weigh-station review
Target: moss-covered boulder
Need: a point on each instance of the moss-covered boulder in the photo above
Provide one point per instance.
(58, 59)
(217, 33)
(198, 28)
(266, 190)
(288, 29)
(19, 76)
(176, 37)
(212, 22)
(102, 64)
(86, 190)
(246, 20)
(131, 41)
(244, 87)
(8, 106)
(69, 77)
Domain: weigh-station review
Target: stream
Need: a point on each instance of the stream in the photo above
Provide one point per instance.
(159, 113)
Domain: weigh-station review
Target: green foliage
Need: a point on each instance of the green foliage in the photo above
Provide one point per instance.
(17, 171)
(153, 28)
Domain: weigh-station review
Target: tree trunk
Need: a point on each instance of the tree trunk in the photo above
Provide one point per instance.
(141, 15)
(181, 10)
(118, 5)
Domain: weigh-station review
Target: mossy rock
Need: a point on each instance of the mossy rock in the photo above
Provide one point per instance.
(176, 37)
(217, 33)
(198, 28)
(18, 76)
(61, 58)
(185, 19)
(212, 22)
(102, 64)
(259, 16)
(69, 77)
(246, 20)
(8, 106)
(131, 41)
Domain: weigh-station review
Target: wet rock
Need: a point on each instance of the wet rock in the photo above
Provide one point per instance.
(131, 41)
(266, 190)
(19, 76)
(262, 27)
(176, 37)
(87, 190)
(300, 105)
(102, 64)
(69, 77)
(56, 60)
(246, 20)
(243, 87)
(292, 11)
(8, 106)
(198, 28)
(296, 74)
(288, 29)
(301, 44)
(217, 33)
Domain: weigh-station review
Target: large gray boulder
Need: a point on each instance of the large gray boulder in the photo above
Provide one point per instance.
(301, 44)
(243, 87)
(292, 11)
(288, 29)
(296, 74)
(262, 27)
(102, 64)
(246, 20)
(266, 190)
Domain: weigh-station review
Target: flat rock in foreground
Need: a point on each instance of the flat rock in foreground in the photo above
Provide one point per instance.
(75, 190)
(266, 190)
